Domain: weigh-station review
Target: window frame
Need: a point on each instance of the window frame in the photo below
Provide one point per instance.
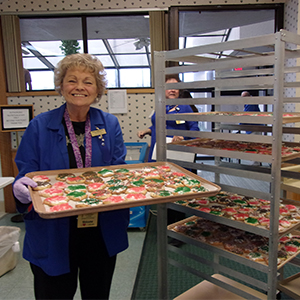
(84, 20)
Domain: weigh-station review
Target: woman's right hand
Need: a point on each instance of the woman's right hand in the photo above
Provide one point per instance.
(142, 133)
(20, 189)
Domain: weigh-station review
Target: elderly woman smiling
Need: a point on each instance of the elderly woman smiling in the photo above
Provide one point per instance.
(59, 250)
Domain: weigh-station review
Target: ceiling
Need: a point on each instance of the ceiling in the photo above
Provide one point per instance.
(192, 23)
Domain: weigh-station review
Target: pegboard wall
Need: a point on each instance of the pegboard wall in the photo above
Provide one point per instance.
(19, 6)
(291, 24)
(140, 107)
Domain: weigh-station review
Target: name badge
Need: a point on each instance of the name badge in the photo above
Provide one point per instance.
(87, 220)
(98, 132)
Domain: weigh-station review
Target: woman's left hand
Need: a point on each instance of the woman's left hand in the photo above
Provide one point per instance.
(177, 138)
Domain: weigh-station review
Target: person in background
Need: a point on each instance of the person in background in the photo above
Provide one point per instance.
(27, 76)
(59, 251)
(170, 124)
(173, 215)
(187, 94)
(251, 108)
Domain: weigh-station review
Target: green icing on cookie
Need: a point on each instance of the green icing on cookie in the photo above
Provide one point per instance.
(190, 223)
(117, 187)
(182, 189)
(138, 182)
(76, 187)
(181, 202)
(104, 171)
(114, 181)
(122, 171)
(156, 180)
(251, 220)
(164, 193)
(199, 189)
(76, 194)
(90, 201)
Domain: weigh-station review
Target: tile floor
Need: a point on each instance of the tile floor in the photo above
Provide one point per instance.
(18, 283)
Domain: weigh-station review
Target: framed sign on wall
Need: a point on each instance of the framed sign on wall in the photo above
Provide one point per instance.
(15, 117)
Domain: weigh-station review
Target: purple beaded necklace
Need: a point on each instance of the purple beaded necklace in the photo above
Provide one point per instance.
(88, 141)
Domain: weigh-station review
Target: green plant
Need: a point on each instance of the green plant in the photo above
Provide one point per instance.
(69, 47)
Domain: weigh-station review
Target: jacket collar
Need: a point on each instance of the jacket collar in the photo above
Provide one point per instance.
(58, 113)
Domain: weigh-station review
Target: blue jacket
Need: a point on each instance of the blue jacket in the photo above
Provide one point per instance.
(171, 124)
(251, 107)
(43, 147)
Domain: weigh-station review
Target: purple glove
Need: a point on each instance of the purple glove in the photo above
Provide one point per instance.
(21, 191)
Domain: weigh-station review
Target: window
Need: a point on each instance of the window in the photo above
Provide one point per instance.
(121, 42)
(198, 28)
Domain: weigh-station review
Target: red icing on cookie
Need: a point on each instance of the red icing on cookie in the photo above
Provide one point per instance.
(254, 202)
(229, 210)
(291, 249)
(96, 186)
(75, 179)
(202, 202)
(241, 216)
(135, 196)
(55, 200)
(283, 211)
(164, 168)
(205, 209)
(136, 190)
(60, 207)
(59, 185)
(114, 199)
(52, 192)
(284, 223)
(264, 221)
(290, 207)
(40, 178)
(178, 174)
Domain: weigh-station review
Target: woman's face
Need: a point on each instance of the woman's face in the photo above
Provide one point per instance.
(172, 94)
(79, 87)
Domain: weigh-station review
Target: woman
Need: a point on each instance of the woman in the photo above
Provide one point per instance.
(173, 215)
(61, 139)
(171, 124)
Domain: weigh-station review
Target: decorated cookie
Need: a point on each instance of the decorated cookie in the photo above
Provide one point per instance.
(135, 196)
(64, 176)
(61, 207)
(41, 185)
(40, 178)
(88, 202)
(105, 173)
(76, 179)
(51, 192)
(55, 200)
(77, 195)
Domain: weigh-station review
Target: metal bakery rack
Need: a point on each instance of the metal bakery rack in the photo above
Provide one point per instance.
(265, 65)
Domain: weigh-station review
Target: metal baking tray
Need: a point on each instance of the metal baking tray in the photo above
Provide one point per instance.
(43, 210)
(220, 247)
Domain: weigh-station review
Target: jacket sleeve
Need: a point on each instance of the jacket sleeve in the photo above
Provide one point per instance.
(27, 158)
(191, 125)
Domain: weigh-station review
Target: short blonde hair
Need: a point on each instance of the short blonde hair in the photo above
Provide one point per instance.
(87, 61)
